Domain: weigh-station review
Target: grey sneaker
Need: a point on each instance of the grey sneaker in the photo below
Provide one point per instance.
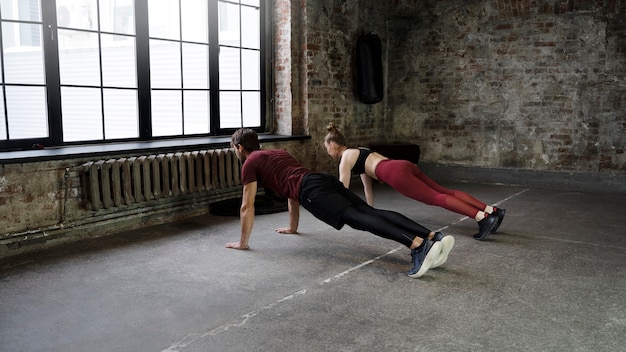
(447, 242)
(423, 258)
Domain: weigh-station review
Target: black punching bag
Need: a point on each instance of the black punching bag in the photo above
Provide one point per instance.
(369, 69)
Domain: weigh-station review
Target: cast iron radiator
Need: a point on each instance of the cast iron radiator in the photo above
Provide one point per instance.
(150, 178)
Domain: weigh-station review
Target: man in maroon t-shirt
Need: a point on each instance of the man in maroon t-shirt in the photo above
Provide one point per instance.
(328, 200)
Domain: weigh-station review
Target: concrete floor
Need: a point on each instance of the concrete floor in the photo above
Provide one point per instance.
(552, 279)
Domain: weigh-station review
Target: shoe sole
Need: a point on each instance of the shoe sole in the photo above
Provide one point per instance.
(482, 235)
(499, 221)
(432, 256)
(447, 242)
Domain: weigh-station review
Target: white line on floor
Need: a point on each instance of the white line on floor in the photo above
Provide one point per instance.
(196, 336)
(193, 337)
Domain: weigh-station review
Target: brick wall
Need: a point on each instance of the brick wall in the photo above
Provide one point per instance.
(332, 29)
(512, 84)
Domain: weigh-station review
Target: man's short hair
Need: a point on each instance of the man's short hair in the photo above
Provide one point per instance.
(247, 138)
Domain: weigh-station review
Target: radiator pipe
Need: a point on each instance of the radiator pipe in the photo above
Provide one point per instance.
(67, 185)
(66, 177)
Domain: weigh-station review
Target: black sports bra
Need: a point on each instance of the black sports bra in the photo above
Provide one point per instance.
(359, 166)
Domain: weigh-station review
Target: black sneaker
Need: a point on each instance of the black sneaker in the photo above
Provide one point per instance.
(447, 242)
(423, 257)
(485, 226)
(500, 214)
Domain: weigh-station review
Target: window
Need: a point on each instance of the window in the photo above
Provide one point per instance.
(97, 71)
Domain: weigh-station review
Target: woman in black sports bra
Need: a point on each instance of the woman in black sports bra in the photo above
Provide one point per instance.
(406, 178)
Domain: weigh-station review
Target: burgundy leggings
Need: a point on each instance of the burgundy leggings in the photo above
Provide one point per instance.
(406, 178)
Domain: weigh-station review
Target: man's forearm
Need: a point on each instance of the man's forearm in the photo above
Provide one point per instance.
(294, 214)
(247, 221)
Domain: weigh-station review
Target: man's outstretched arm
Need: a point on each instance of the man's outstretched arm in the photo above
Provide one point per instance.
(294, 217)
(246, 216)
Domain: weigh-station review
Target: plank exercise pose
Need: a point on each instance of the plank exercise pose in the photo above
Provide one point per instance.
(406, 178)
(328, 200)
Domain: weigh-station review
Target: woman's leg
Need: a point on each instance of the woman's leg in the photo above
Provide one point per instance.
(463, 196)
(407, 179)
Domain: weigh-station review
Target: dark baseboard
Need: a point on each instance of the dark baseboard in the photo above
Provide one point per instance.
(604, 182)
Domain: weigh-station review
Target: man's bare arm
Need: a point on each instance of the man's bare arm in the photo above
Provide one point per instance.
(246, 216)
(294, 217)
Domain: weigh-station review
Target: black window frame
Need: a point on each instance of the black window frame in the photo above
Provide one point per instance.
(53, 86)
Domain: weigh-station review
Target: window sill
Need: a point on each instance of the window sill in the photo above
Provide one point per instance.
(101, 150)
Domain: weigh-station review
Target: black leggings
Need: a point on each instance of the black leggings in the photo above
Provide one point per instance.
(384, 223)
(328, 200)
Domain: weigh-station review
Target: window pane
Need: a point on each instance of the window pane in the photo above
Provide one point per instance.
(121, 117)
(21, 10)
(164, 64)
(196, 112)
(251, 29)
(79, 61)
(230, 110)
(118, 61)
(229, 24)
(250, 68)
(250, 2)
(195, 21)
(27, 113)
(23, 53)
(229, 69)
(251, 109)
(117, 16)
(164, 19)
(195, 66)
(81, 114)
(78, 14)
(167, 119)
(3, 121)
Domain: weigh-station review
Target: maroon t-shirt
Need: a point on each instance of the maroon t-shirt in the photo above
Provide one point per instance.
(274, 169)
